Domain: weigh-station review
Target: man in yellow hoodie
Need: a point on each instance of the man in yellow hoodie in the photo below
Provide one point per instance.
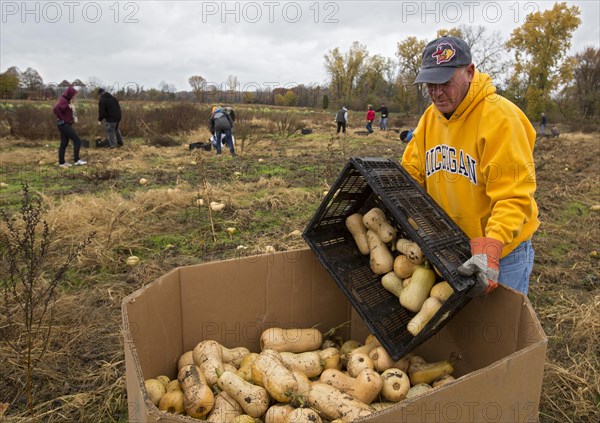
(472, 151)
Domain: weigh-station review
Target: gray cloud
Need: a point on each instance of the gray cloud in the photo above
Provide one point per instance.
(283, 42)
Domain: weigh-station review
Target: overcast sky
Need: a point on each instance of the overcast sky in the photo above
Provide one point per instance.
(265, 43)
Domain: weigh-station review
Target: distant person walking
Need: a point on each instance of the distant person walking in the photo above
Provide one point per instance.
(543, 124)
(370, 119)
(341, 118)
(383, 120)
(63, 110)
(110, 110)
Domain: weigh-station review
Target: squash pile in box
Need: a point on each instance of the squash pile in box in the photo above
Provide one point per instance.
(296, 377)
(406, 272)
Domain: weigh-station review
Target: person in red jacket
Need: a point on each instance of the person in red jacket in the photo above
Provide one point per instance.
(370, 118)
(64, 121)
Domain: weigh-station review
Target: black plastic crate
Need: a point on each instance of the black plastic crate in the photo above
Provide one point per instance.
(376, 182)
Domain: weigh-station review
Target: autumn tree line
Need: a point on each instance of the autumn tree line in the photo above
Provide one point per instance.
(532, 68)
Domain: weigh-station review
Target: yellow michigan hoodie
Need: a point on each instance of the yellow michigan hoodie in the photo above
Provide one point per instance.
(478, 165)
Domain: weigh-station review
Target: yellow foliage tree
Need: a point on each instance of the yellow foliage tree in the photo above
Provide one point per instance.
(539, 46)
(409, 53)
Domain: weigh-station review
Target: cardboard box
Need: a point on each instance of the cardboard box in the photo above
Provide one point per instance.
(501, 342)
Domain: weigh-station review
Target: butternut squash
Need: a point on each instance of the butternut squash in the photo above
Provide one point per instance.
(411, 250)
(332, 404)
(383, 361)
(417, 390)
(379, 406)
(270, 372)
(419, 320)
(428, 372)
(253, 399)
(174, 385)
(403, 267)
(348, 346)
(357, 362)
(292, 340)
(354, 223)
(277, 413)
(208, 355)
(396, 384)
(415, 360)
(392, 283)
(234, 356)
(164, 379)
(376, 221)
(245, 418)
(442, 380)
(307, 362)
(442, 291)
(365, 387)
(226, 408)
(331, 358)
(172, 402)
(245, 370)
(371, 338)
(304, 384)
(371, 342)
(198, 398)
(155, 390)
(303, 415)
(381, 259)
(414, 295)
(228, 367)
(185, 359)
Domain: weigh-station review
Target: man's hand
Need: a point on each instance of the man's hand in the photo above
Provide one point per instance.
(484, 265)
(99, 122)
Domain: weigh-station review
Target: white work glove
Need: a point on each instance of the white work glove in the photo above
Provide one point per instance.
(484, 265)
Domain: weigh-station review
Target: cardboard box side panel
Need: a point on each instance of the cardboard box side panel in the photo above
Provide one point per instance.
(154, 319)
(530, 329)
(507, 391)
(223, 301)
(483, 332)
(234, 301)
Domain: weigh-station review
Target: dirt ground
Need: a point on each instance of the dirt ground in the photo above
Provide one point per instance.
(272, 189)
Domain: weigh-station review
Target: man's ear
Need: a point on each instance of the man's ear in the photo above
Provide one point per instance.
(471, 71)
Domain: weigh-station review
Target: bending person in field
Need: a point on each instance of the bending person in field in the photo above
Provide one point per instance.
(472, 151)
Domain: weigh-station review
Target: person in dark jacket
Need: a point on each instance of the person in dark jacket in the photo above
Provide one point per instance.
(64, 121)
(383, 120)
(110, 110)
(543, 123)
(220, 123)
(341, 118)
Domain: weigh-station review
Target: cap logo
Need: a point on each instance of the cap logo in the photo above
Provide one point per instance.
(443, 53)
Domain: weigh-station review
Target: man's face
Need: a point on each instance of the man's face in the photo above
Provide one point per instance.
(448, 96)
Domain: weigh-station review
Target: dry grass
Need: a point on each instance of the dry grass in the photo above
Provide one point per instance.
(81, 378)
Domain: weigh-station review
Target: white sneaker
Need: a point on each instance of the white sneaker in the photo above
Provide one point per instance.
(80, 162)
(65, 164)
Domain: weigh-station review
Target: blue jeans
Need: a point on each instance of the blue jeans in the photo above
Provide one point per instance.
(516, 267)
(114, 134)
(383, 123)
(228, 140)
(369, 126)
(66, 133)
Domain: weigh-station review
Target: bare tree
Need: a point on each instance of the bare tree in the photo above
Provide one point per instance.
(198, 84)
(232, 85)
